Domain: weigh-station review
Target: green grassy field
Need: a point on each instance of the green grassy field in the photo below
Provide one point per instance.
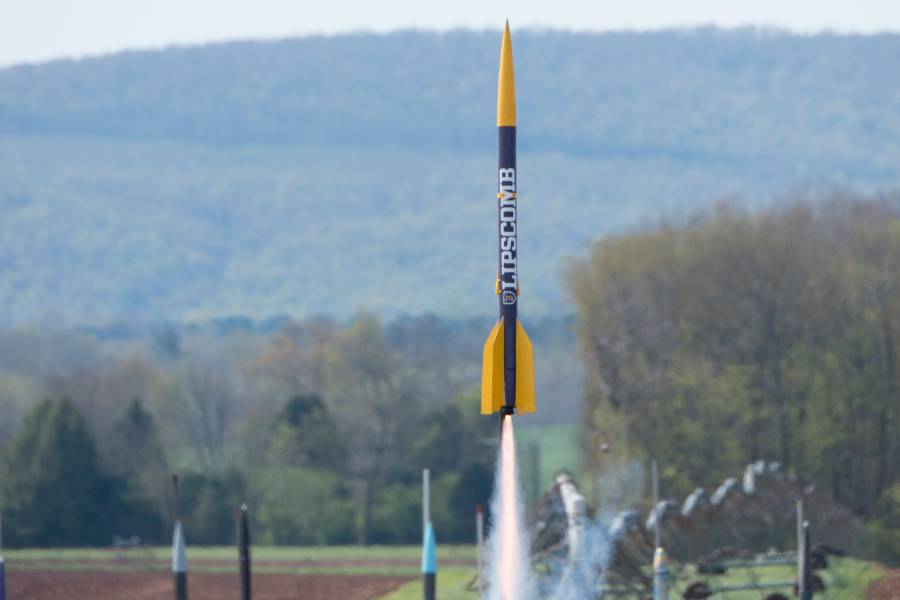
(452, 584)
(292, 553)
(559, 449)
(335, 560)
(846, 579)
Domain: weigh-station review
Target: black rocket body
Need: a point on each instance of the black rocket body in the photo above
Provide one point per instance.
(507, 379)
(508, 254)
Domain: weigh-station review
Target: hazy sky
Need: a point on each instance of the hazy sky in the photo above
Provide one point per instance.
(35, 30)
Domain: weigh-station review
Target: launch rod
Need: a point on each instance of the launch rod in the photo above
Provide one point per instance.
(801, 563)
(426, 500)
(654, 482)
(179, 564)
(660, 574)
(805, 584)
(176, 511)
(429, 549)
(244, 552)
(807, 564)
(179, 554)
(2, 564)
(479, 542)
(429, 564)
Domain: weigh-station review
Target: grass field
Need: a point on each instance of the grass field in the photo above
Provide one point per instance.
(326, 560)
(559, 449)
(846, 579)
(288, 553)
(452, 584)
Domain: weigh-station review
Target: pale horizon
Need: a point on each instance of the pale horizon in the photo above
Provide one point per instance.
(46, 30)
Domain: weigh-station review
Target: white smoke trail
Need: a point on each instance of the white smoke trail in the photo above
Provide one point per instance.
(578, 575)
(508, 575)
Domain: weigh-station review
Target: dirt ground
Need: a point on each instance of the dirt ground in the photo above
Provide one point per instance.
(138, 563)
(62, 585)
(886, 588)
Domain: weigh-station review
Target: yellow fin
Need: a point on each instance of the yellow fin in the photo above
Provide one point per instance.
(492, 371)
(524, 372)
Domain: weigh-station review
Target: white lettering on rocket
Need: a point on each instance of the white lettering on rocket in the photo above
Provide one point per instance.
(507, 199)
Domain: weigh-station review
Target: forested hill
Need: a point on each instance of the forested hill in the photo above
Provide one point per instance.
(325, 174)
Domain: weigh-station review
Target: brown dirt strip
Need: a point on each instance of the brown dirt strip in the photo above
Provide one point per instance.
(286, 564)
(36, 585)
(49, 563)
(886, 588)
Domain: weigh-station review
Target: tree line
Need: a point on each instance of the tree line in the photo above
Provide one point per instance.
(322, 428)
(707, 343)
(736, 335)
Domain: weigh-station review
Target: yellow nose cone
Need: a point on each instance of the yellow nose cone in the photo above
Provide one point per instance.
(506, 89)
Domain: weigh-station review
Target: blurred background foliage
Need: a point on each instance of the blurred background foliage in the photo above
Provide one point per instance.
(176, 223)
(739, 335)
(325, 174)
(707, 343)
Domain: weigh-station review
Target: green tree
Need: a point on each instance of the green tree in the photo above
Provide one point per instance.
(743, 335)
(207, 505)
(305, 434)
(51, 486)
(472, 487)
(376, 395)
(884, 533)
(140, 467)
(302, 506)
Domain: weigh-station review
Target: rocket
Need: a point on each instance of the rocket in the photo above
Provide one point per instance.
(507, 376)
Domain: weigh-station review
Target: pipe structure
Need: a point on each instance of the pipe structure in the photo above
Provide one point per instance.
(578, 575)
(576, 511)
(730, 524)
